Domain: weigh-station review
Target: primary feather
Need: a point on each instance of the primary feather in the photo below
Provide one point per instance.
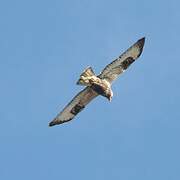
(119, 65)
(77, 104)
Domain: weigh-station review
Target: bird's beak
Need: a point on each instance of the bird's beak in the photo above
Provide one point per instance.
(110, 98)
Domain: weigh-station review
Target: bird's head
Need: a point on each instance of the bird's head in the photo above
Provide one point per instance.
(109, 95)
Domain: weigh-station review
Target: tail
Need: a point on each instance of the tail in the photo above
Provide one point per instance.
(86, 76)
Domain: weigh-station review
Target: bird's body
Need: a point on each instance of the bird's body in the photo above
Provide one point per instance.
(103, 88)
(98, 85)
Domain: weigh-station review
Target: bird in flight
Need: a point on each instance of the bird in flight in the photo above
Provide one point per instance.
(100, 84)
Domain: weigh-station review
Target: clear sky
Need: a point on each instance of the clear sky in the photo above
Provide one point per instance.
(44, 46)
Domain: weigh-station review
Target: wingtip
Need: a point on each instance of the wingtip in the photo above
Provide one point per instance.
(141, 41)
(52, 123)
(56, 122)
(140, 44)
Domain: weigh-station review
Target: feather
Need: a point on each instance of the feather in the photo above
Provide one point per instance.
(77, 104)
(119, 65)
(86, 76)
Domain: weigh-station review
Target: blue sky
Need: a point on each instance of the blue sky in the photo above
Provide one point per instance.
(45, 45)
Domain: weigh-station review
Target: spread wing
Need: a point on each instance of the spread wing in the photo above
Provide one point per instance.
(119, 65)
(77, 104)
